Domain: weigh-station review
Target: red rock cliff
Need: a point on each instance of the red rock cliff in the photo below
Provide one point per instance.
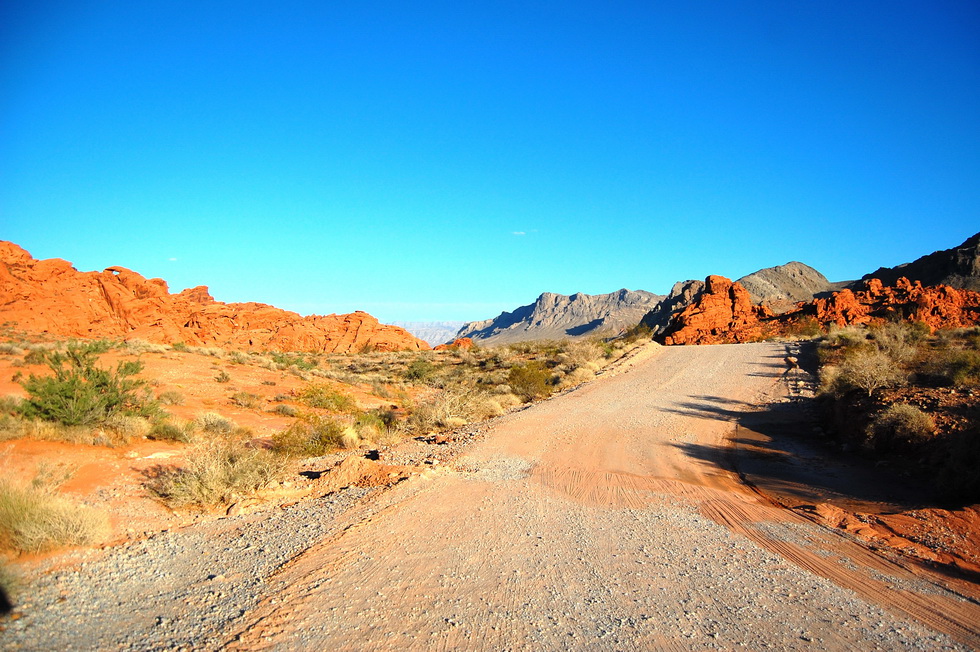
(723, 313)
(50, 296)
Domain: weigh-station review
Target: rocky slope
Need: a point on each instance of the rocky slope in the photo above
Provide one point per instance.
(724, 313)
(958, 267)
(51, 296)
(557, 316)
(781, 287)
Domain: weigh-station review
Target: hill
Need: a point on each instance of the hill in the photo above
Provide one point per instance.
(50, 296)
(557, 316)
(958, 267)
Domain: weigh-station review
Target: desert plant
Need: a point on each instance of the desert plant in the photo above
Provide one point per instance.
(81, 393)
(217, 472)
(214, 424)
(900, 424)
(34, 519)
(312, 436)
(222, 377)
(420, 370)
(127, 428)
(320, 395)
(285, 410)
(246, 399)
(171, 397)
(170, 431)
(955, 367)
(530, 381)
(867, 370)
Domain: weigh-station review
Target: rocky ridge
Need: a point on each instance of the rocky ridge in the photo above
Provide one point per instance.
(557, 316)
(433, 332)
(958, 267)
(50, 296)
(783, 286)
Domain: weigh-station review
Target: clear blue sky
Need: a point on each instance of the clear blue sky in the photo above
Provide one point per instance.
(427, 161)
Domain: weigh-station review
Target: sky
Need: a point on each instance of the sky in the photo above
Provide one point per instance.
(448, 161)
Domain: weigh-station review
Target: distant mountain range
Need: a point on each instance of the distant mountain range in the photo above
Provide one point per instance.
(780, 288)
(557, 316)
(433, 332)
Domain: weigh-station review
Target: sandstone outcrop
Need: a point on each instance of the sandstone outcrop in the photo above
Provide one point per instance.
(51, 296)
(459, 344)
(722, 313)
(557, 316)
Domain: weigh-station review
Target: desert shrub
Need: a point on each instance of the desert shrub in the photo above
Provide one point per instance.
(81, 393)
(452, 407)
(530, 381)
(142, 346)
(246, 399)
(320, 395)
(171, 397)
(285, 410)
(127, 428)
(34, 519)
(420, 370)
(237, 357)
(297, 361)
(312, 436)
(955, 367)
(866, 370)
(170, 431)
(807, 326)
(218, 471)
(9, 348)
(900, 424)
(179, 346)
(213, 423)
(222, 377)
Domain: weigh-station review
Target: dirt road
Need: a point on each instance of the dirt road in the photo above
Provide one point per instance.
(605, 519)
(601, 519)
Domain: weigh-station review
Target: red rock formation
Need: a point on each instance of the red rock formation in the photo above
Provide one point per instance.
(463, 343)
(50, 296)
(939, 306)
(723, 313)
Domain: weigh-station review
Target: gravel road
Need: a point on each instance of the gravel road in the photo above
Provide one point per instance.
(601, 519)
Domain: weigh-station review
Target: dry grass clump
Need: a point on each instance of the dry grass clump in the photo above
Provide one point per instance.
(213, 423)
(531, 381)
(217, 472)
(315, 435)
(866, 370)
(900, 424)
(451, 408)
(171, 397)
(170, 430)
(34, 519)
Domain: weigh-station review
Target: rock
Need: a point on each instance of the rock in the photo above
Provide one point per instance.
(723, 313)
(958, 267)
(783, 286)
(50, 296)
(460, 343)
(557, 316)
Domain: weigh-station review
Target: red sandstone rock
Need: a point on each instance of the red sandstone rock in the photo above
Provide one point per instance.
(50, 296)
(463, 343)
(723, 313)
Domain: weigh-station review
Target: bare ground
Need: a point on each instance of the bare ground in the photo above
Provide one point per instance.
(605, 518)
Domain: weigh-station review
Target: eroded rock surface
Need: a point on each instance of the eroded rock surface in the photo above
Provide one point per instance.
(51, 296)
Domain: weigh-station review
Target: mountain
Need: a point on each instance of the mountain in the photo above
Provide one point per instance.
(557, 316)
(783, 286)
(50, 296)
(433, 332)
(958, 267)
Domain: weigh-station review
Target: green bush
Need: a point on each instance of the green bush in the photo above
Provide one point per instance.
(318, 395)
(956, 367)
(420, 370)
(530, 381)
(81, 393)
(170, 431)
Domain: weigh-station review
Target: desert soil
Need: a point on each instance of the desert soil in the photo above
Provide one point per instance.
(605, 518)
